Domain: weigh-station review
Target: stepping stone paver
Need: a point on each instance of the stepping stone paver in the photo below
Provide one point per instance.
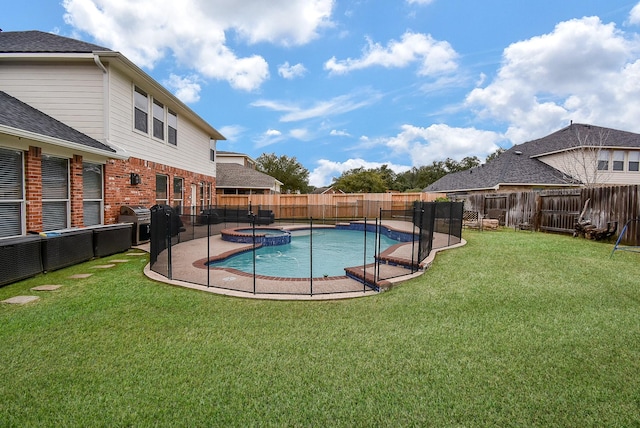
(46, 287)
(119, 261)
(20, 300)
(80, 275)
(104, 266)
(136, 254)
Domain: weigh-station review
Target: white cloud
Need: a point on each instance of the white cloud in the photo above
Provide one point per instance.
(300, 133)
(419, 1)
(326, 170)
(335, 106)
(438, 142)
(434, 56)
(634, 15)
(232, 132)
(187, 89)
(269, 137)
(291, 71)
(194, 31)
(583, 70)
(338, 133)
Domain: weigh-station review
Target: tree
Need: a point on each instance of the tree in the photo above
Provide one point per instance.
(587, 160)
(294, 176)
(360, 180)
(495, 154)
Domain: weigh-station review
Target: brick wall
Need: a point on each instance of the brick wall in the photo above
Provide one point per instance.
(33, 188)
(118, 189)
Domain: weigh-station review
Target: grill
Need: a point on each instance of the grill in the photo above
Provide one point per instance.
(140, 216)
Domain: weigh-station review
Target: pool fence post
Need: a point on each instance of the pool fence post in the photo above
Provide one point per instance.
(208, 249)
(364, 261)
(168, 219)
(379, 242)
(253, 224)
(311, 256)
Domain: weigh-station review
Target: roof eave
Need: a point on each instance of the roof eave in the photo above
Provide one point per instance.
(21, 133)
(142, 75)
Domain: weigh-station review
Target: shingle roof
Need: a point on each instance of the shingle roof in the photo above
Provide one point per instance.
(519, 165)
(16, 114)
(38, 41)
(232, 175)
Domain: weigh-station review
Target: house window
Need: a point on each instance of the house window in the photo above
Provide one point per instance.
(141, 110)
(55, 193)
(212, 155)
(11, 193)
(618, 160)
(172, 127)
(162, 182)
(178, 192)
(92, 193)
(158, 120)
(603, 160)
(205, 194)
(634, 161)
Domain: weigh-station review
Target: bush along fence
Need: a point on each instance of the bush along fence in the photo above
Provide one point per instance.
(604, 208)
(250, 249)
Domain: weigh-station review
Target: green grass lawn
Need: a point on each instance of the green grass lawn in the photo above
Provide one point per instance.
(513, 329)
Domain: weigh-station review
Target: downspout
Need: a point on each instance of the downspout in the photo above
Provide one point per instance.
(106, 124)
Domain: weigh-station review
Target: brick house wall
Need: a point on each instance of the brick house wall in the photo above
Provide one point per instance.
(118, 189)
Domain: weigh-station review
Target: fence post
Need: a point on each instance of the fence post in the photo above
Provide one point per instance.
(311, 256)
(364, 261)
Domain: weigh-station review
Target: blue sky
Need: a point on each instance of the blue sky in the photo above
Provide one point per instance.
(344, 84)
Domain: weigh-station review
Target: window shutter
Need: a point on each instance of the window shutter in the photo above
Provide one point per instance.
(10, 219)
(11, 193)
(91, 181)
(55, 178)
(10, 174)
(54, 215)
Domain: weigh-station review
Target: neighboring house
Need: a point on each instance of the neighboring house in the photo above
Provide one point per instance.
(84, 131)
(576, 156)
(237, 175)
(327, 191)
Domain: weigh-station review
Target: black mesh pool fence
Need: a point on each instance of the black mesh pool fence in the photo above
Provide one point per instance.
(183, 247)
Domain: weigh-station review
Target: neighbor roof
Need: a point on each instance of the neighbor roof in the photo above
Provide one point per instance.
(39, 41)
(16, 115)
(231, 175)
(520, 165)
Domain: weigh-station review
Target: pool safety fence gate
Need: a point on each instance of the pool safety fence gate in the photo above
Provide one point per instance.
(183, 247)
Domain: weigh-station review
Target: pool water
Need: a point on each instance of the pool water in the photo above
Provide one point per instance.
(333, 250)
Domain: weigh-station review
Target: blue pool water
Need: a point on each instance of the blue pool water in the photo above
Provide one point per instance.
(333, 250)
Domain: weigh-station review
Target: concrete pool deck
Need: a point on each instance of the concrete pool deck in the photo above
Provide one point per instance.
(189, 270)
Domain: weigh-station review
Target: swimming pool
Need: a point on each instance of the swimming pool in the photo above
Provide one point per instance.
(333, 250)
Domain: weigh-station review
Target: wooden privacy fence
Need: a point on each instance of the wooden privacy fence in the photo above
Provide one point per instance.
(558, 210)
(350, 205)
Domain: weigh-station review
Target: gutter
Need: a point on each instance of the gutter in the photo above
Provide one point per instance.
(21, 133)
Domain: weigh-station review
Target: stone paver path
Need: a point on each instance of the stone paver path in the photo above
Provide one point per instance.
(20, 300)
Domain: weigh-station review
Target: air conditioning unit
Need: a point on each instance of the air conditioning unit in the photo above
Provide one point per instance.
(111, 239)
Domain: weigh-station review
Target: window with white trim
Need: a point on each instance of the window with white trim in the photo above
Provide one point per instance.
(55, 193)
(158, 120)
(634, 161)
(162, 189)
(172, 128)
(92, 190)
(178, 192)
(618, 160)
(603, 160)
(141, 110)
(11, 193)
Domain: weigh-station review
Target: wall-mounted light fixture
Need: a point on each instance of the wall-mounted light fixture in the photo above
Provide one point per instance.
(135, 179)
